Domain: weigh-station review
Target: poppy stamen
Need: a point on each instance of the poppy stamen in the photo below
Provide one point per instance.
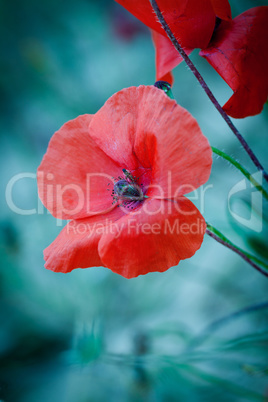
(127, 191)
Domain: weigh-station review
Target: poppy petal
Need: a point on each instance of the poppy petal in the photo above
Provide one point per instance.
(192, 22)
(142, 125)
(77, 244)
(143, 10)
(168, 77)
(222, 9)
(72, 177)
(172, 145)
(238, 53)
(155, 238)
(167, 57)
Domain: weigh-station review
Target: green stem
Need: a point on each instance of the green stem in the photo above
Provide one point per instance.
(242, 170)
(259, 265)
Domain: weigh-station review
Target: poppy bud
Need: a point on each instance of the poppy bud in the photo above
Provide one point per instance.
(166, 87)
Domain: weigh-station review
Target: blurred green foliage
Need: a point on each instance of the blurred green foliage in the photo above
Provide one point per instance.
(92, 335)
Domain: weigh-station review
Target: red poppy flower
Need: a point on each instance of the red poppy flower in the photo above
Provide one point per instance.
(235, 48)
(150, 152)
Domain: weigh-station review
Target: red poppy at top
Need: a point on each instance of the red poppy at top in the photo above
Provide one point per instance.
(236, 48)
(120, 177)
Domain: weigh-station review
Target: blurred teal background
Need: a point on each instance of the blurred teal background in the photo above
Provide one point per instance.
(92, 335)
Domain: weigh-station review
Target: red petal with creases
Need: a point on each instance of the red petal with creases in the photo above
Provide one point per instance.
(143, 127)
(77, 244)
(155, 238)
(74, 174)
(173, 144)
(192, 22)
(239, 54)
(167, 57)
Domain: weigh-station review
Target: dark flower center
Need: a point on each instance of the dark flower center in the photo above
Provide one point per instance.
(127, 191)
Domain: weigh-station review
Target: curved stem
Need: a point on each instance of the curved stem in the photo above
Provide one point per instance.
(215, 325)
(250, 259)
(207, 90)
(242, 170)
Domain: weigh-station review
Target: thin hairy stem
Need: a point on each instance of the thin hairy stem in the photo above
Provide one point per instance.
(250, 259)
(207, 90)
(242, 170)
